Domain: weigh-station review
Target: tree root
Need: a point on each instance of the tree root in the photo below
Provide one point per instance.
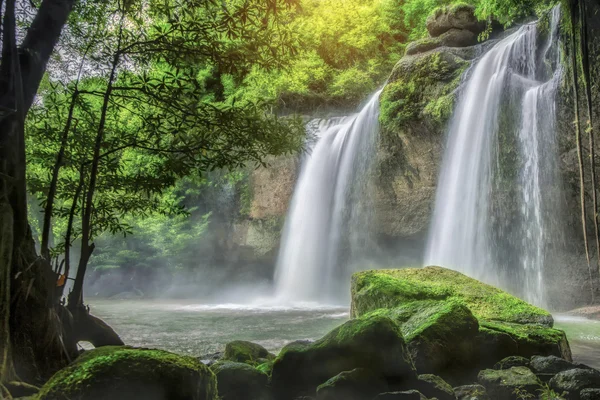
(92, 329)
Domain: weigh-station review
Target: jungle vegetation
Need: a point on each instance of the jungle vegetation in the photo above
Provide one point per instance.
(114, 112)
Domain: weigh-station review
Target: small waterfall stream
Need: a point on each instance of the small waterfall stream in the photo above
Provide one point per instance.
(325, 208)
(498, 186)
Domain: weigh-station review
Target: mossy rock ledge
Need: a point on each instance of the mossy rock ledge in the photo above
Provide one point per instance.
(121, 372)
(454, 325)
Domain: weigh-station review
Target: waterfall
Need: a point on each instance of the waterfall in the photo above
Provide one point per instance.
(321, 226)
(498, 185)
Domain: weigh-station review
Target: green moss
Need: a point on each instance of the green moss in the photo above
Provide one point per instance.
(391, 288)
(421, 87)
(245, 352)
(531, 339)
(112, 366)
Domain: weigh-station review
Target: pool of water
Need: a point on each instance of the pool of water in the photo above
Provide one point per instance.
(197, 329)
(584, 338)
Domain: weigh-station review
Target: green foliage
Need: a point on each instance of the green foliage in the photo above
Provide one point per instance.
(348, 48)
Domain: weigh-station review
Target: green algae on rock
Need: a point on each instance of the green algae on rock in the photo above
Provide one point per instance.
(513, 383)
(121, 372)
(246, 352)
(389, 288)
(373, 342)
(453, 323)
(240, 381)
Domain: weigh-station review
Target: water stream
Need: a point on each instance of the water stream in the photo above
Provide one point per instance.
(314, 262)
(496, 204)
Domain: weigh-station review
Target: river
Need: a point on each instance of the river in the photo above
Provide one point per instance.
(197, 329)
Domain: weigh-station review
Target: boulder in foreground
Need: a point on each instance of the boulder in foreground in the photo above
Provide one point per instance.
(122, 373)
(373, 343)
(453, 324)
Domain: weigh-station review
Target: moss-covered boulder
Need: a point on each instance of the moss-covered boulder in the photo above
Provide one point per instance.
(240, 381)
(510, 384)
(458, 16)
(439, 334)
(454, 323)
(358, 384)
(374, 343)
(126, 373)
(246, 352)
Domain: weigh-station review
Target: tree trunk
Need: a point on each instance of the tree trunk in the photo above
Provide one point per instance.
(76, 296)
(49, 208)
(32, 345)
(575, 82)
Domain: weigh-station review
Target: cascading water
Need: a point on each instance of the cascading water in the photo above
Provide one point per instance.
(498, 184)
(325, 208)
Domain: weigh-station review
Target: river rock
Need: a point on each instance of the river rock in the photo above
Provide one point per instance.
(546, 367)
(240, 381)
(454, 324)
(589, 394)
(471, 392)
(460, 16)
(513, 383)
(246, 352)
(358, 384)
(573, 381)
(122, 373)
(374, 343)
(512, 361)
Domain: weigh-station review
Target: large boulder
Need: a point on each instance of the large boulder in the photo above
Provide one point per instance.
(508, 384)
(459, 16)
(246, 352)
(240, 381)
(453, 323)
(451, 38)
(374, 343)
(358, 384)
(121, 373)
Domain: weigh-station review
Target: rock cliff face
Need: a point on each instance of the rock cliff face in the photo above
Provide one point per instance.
(416, 105)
